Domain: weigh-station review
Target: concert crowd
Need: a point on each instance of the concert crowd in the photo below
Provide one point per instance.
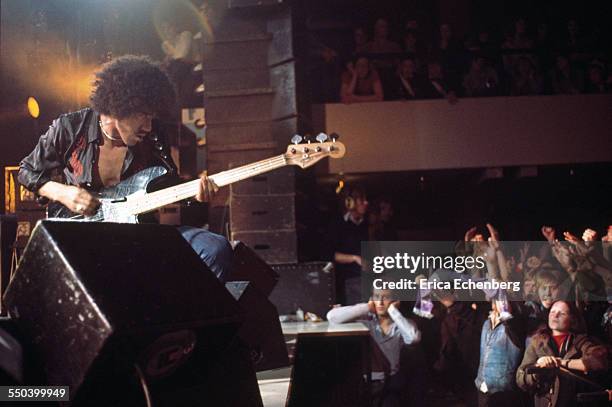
(546, 345)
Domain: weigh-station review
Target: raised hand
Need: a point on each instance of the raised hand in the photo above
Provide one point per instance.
(589, 235)
(469, 234)
(493, 237)
(549, 233)
(570, 237)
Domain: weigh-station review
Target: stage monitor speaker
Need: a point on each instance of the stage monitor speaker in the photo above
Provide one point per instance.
(109, 307)
(248, 266)
(261, 331)
(8, 234)
(11, 355)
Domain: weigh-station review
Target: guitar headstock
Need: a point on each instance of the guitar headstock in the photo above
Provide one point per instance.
(306, 154)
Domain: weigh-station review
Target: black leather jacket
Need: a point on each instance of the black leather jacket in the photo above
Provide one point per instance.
(71, 145)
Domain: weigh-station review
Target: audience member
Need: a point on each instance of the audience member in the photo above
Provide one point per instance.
(344, 241)
(437, 86)
(413, 48)
(384, 55)
(596, 82)
(564, 78)
(526, 80)
(360, 83)
(481, 80)
(381, 44)
(391, 332)
(409, 85)
(360, 39)
(448, 52)
(561, 345)
(548, 290)
(381, 223)
(517, 46)
(459, 351)
(501, 349)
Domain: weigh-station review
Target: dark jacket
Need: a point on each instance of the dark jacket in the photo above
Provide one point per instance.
(460, 335)
(71, 145)
(594, 356)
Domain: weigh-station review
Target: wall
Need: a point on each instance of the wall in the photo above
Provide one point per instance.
(485, 132)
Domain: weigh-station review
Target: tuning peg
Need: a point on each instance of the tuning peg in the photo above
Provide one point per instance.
(296, 139)
(307, 138)
(322, 137)
(334, 136)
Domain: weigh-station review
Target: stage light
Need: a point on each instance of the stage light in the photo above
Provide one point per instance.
(33, 107)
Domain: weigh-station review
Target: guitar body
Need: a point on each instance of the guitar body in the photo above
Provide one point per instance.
(140, 194)
(113, 199)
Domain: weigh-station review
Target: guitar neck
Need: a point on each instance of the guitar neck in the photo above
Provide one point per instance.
(166, 196)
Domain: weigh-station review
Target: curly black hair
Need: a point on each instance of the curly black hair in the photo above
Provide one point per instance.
(132, 84)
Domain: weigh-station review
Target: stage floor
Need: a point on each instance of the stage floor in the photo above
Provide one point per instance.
(274, 386)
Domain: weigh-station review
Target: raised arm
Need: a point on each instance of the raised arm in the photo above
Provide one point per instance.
(349, 313)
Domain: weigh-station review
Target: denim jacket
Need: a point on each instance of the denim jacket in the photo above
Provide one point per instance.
(499, 358)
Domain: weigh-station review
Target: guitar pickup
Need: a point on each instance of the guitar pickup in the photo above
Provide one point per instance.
(124, 199)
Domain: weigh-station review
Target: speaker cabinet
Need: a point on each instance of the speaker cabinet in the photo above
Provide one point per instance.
(109, 307)
(261, 331)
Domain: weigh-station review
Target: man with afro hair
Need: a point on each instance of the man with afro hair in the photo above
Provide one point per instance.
(116, 137)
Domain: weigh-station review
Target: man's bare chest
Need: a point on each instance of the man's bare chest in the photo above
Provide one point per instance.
(110, 164)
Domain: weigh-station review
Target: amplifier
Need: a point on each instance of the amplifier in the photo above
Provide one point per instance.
(16, 197)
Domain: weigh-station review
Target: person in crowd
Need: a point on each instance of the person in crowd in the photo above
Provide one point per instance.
(413, 48)
(437, 85)
(573, 40)
(409, 85)
(180, 56)
(360, 82)
(344, 243)
(380, 43)
(382, 227)
(482, 79)
(501, 348)
(520, 39)
(517, 40)
(585, 276)
(483, 44)
(543, 45)
(384, 54)
(393, 334)
(596, 80)
(324, 71)
(548, 290)
(564, 78)
(448, 52)
(606, 241)
(360, 39)
(561, 345)
(459, 350)
(525, 80)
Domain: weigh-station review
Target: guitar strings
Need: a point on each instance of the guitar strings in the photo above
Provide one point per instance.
(184, 191)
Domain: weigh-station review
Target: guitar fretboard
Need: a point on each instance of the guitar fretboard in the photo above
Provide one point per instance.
(166, 196)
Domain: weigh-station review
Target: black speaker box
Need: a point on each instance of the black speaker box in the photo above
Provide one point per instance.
(110, 306)
(248, 266)
(261, 331)
(8, 233)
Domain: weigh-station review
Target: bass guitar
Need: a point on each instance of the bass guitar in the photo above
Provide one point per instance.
(124, 202)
